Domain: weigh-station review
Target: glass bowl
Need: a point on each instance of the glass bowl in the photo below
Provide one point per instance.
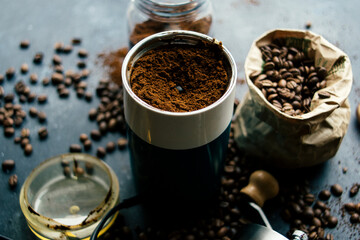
(66, 196)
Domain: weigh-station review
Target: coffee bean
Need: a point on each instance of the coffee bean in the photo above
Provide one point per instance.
(41, 116)
(24, 44)
(110, 147)
(76, 41)
(43, 132)
(82, 53)
(88, 96)
(67, 49)
(33, 78)
(57, 78)
(122, 143)
(83, 137)
(309, 198)
(336, 190)
(24, 68)
(58, 47)
(332, 222)
(64, 93)
(38, 58)
(67, 171)
(2, 92)
(354, 218)
(42, 98)
(308, 214)
(25, 133)
(87, 144)
(100, 152)
(74, 148)
(8, 165)
(350, 207)
(89, 167)
(92, 114)
(24, 142)
(79, 171)
(28, 149)
(13, 181)
(81, 64)
(9, 131)
(95, 134)
(56, 59)
(324, 195)
(17, 140)
(33, 112)
(10, 73)
(354, 189)
(1, 78)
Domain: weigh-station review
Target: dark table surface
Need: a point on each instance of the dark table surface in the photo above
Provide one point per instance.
(102, 27)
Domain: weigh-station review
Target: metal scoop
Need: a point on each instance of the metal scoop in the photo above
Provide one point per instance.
(263, 186)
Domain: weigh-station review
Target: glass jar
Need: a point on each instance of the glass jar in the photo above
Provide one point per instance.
(147, 17)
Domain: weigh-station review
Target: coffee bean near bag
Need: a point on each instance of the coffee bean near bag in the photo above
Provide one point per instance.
(294, 127)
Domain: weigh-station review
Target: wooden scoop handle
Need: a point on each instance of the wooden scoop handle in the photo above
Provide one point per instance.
(262, 186)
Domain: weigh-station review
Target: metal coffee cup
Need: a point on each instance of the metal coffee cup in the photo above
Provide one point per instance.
(179, 153)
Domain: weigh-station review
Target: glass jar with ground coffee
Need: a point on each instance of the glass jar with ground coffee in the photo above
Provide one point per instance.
(147, 17)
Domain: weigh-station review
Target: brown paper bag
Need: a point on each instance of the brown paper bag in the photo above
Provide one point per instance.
(296, 141)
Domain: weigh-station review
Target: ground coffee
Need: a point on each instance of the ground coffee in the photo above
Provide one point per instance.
(180, 78)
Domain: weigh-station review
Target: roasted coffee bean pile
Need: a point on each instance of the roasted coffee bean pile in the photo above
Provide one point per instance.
(289, 78)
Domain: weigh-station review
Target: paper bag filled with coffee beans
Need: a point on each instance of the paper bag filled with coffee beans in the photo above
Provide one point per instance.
(296, 112)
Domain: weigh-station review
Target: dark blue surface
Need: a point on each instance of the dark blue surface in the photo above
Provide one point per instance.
(101, 25)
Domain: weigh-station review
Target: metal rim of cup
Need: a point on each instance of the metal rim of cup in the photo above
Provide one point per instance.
(174, 36)
(37, 220)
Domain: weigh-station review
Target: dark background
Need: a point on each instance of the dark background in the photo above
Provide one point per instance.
(102, 26)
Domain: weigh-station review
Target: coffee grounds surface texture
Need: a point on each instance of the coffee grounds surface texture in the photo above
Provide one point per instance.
(180, 78)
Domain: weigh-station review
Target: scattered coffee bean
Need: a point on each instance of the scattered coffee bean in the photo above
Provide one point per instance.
(81, 64)
(82, 53)
(67, 49)
(33, 112)
(24, 142)
(58, 47)
(74, 148)
(122, 143)
(42, 98)
(95, 134)
(24, 44)
(8, 165)
(24, 68)
(89, 167)
(87, 144)
(25, 133)
(10, 73)
(33, 78)
(76, 41)
(110, 147)
(332, 222)
(28, 149)
(354, 218)
(308, 25)
(41, 116)
(67, 171)
(100, 152)
(88, 96)
(56, 60)
(1, 78)
(64, 93)
(336, 190)
(38, 58)
(13, 181)
(17, 140)
(354, 189)
(79, 171)
(43, 132)
(9, 131)
(83, 137)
